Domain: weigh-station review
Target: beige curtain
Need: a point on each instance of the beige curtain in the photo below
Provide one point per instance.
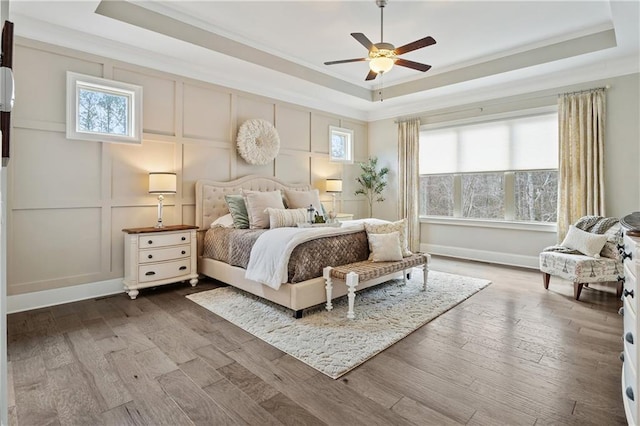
(408, 179)
(581, 170)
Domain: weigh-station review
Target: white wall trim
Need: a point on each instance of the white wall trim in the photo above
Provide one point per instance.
(482, 255)
(58, 296)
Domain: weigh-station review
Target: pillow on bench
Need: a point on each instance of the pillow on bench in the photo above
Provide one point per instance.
(385, 247)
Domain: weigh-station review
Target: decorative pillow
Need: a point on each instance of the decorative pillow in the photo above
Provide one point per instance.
(225, 221)
(384, 228)
(585, 242)
(302, 199)
(238, 211)
(257, 202)
(385, 247)
(279, 218)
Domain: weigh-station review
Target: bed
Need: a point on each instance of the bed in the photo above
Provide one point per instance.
(211, 205)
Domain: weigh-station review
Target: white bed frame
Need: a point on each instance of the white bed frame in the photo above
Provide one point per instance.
(210, 205)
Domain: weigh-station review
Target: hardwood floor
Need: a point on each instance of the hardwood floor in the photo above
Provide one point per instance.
(512, 354)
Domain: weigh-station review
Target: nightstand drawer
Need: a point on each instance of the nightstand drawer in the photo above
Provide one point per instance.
(159, 255)
(162, 240)
(161, 271)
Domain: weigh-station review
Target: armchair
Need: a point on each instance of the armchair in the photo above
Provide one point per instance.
(571, 263)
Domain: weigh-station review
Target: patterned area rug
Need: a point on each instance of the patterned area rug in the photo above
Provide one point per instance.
(328, 341)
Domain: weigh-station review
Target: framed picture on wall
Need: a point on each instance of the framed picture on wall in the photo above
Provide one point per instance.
(340, 145)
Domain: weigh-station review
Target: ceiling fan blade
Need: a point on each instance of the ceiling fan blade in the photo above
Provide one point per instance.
(371, 76)
(418, 44)
(415, 65)
(365, 41)
(344, 61)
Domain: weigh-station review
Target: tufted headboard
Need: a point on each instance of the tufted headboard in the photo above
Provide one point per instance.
(210, 203)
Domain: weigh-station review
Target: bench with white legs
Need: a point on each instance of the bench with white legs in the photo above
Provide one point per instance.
(367, 273)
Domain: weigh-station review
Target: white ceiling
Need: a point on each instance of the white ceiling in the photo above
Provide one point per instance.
(278, 49)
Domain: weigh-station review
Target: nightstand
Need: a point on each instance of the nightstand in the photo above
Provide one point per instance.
(157, 256)
(344, 216)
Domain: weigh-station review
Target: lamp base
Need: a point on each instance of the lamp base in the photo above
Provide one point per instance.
(159, 224)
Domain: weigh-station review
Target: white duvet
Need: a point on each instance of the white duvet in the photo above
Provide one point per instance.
(270, 254)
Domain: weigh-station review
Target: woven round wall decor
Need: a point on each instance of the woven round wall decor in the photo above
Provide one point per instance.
(258, 141)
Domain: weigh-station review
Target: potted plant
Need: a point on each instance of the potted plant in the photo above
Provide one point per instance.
(372, 182)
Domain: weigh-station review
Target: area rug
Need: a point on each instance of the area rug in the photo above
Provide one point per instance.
(328, 341)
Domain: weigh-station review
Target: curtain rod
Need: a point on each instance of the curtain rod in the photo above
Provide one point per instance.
(586, 90)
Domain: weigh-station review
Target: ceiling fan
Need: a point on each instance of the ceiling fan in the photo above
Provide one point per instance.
(382, 56)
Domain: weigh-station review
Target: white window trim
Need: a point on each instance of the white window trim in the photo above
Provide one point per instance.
(550, 227)
(132, 91)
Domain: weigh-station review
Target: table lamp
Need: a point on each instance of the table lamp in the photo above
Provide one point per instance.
(161, 183)
(334, 186)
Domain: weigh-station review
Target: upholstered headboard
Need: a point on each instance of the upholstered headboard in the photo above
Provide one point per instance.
(210, 203)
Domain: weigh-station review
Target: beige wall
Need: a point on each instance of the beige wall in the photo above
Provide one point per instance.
(70, 199)
(521, 247)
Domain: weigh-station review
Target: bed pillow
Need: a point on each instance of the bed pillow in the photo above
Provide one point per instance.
(384, 228)
(279, 218)
(257, 202)
(302, 200)
(238, 211)
(585, 242)
(225, 221)
(385, 247)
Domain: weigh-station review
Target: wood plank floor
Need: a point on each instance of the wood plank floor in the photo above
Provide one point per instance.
(512, 354)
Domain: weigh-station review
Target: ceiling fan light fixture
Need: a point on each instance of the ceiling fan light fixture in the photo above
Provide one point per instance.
(381, 64)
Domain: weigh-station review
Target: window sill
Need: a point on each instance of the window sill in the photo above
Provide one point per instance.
(487, 223)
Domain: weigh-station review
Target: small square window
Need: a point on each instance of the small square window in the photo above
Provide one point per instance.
(340, 145)
(103, 110)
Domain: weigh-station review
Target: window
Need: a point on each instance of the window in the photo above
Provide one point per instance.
(340, 144)
(103, 110)
(498, 170)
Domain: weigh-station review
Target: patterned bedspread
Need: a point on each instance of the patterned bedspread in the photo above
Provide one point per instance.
(233, 246)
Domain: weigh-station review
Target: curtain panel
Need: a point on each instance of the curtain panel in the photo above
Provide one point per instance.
(581, 118)
(409, 179)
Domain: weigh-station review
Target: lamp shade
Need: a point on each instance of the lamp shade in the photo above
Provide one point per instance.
(162, 183)
(334, 185)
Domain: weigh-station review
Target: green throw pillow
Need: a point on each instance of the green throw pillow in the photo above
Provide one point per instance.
(238, 211)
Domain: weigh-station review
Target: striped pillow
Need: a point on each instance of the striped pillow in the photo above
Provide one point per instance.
(279, 218)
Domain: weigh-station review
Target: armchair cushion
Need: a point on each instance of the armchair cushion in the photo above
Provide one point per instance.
(579, 268)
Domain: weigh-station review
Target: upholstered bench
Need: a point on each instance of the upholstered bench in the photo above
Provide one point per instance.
(367, 273)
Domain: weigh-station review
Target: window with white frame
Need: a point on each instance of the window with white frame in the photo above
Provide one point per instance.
(103, 110)
(498, 170)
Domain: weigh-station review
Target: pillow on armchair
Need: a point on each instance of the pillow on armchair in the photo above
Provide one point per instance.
(585, 242)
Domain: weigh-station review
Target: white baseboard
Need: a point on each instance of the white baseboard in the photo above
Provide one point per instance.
(58, 296)
(501, 258)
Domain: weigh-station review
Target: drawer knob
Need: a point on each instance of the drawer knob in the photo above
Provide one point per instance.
(183, 252)
(150, 242)
(621, 311)
(621, 356)
(184, 238)
(150, 256)
(150, 273)
(629, 392)
(626, 255)
(628, 293)
(182, 268)
(629, 337)
(620, 248)
(621, 279)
